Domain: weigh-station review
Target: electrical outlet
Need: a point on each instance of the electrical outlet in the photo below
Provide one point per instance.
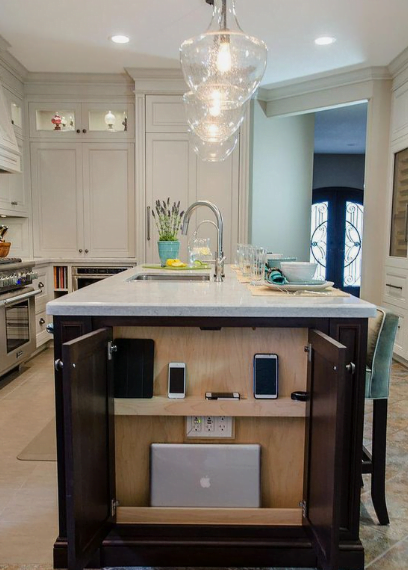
(214, 427)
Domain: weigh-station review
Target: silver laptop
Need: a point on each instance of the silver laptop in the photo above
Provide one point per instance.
(205, 475)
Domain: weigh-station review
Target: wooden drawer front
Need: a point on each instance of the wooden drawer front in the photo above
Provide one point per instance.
(395, 287)
(40, 326)
(41, 283)
(165, 114)
(401, 339)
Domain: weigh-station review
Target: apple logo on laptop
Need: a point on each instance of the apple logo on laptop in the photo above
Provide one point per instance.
(205, 482)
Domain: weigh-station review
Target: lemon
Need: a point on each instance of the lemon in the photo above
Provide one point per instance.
(170, 262)
(178, 263)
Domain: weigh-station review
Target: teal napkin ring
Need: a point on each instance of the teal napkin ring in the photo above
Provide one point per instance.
(275, 276)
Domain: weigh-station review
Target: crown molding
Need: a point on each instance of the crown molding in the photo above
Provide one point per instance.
(158, 80)
(78, 78)
(321, 82)
(399, 63)
(9, 62)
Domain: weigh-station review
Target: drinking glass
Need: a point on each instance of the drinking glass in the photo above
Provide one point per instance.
(247, 260)
(258, 259)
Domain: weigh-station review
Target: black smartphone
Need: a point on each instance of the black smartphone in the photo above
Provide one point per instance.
(266, 376)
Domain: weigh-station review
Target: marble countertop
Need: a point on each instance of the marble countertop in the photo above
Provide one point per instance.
(119, 296)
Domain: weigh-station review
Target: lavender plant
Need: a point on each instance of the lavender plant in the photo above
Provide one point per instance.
(168, 219)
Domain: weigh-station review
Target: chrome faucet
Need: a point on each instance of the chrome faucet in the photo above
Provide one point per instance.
(219, 254)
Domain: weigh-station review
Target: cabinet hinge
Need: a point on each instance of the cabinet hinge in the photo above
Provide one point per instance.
(114, 504)
(303, 504)
(111, 349)
(308, 349)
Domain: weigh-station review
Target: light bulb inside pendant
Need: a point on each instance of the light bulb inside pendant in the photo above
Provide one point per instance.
(224, 61)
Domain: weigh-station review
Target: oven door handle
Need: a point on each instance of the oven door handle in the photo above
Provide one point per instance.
(19, 298)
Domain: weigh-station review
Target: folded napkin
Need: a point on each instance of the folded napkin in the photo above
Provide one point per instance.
(275, 276)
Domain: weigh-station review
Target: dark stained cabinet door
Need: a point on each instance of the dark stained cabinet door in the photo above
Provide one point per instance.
(89, 441)
(326, 384)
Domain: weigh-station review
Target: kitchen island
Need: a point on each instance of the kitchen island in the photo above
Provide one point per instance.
(311, 452)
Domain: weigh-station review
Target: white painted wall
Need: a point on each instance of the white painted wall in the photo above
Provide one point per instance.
(282, 171)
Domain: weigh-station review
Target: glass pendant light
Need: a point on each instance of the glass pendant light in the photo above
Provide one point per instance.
(213, 151)
(211, 123)
(223, 66)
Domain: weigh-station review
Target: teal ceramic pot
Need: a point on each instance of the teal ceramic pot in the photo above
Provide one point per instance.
(168, 250)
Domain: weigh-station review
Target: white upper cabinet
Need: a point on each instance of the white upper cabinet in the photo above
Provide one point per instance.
(9, 151)
(109, 208)
(165, 114)
(56, 170)
(83, 199)
(81, 121)
(170, 173)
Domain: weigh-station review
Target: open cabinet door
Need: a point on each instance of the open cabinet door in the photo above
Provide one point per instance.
(89, 437)
(326, 378)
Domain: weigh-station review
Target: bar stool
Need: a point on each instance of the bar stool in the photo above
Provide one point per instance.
(381, 336)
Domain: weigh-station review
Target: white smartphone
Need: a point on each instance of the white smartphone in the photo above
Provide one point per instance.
(266, 376)
(177, 380)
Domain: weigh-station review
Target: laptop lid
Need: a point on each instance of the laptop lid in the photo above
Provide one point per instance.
(205, 475)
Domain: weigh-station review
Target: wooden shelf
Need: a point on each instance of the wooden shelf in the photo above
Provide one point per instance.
(198, 406)
(161, 515)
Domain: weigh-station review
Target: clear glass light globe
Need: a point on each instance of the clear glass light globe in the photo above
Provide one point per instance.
(223, 64)
(210, 122)
(213, 151)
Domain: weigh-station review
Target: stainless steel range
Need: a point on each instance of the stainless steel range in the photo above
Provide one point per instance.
(17, 312)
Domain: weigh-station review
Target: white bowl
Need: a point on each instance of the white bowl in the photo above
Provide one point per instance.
(298, 270)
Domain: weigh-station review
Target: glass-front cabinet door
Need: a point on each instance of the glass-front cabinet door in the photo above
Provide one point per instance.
(82, 121)
(106, 120)
(399, 217)
(60, 120)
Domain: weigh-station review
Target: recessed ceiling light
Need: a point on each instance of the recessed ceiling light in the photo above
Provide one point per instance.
(120, 39)
(324, 41)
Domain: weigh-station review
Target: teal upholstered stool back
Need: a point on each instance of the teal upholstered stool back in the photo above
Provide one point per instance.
(381, 336)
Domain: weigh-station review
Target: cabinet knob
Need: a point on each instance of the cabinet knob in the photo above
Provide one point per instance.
(14, 203)
(12, 122)
(40, 285)
(80, 250)
(41, 321)
(87, 251)
(50, 328)
(58, 364)
(84, 131)
(78, 131)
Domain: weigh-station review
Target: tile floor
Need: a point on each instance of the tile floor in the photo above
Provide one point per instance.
(28, 490)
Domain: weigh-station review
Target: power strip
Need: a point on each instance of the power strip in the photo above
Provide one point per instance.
(210, 427)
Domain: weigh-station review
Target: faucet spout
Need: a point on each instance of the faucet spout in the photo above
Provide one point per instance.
(219, 256)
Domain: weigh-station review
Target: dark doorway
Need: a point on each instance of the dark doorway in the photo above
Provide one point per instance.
(337, 224)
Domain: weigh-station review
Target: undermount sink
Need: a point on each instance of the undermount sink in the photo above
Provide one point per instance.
(169, 277)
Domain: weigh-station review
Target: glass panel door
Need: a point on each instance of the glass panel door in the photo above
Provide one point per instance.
(56, 119)
(399, 219)
(352, 244)
(318, 247)
(17, 325)
(108, 120)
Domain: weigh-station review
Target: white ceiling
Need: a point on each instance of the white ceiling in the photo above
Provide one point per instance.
(72, 35)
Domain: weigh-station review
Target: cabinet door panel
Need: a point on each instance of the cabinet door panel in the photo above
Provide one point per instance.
(89, 451)
(170, 172)
(109, 211)
(218, 183)
(56, 171)
(326, 380)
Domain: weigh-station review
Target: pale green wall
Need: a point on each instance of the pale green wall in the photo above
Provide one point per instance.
(282, 173)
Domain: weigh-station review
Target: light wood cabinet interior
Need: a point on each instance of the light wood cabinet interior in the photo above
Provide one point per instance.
(219, 361)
